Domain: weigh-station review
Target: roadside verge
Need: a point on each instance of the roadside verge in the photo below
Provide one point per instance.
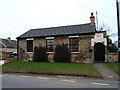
(47, 68)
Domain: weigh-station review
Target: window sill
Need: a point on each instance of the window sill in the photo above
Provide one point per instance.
(74, 52)
(29, 52)
(50, 52)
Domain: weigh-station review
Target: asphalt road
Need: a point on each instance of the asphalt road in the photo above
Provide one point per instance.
(39, 81)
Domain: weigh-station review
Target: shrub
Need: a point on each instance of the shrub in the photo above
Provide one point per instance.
(62, 53)
(40, 54)
(112, 49)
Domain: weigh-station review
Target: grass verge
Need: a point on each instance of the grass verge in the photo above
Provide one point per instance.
(114, 67)
(51, 68)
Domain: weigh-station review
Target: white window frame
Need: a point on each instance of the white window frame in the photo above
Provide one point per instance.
(49, 37)
(50, 52)
(73, 36)
(30, 39)
(74, 52)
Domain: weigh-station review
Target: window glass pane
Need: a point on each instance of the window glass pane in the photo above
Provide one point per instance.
(74, 48)
(49, 41)
(50, 48)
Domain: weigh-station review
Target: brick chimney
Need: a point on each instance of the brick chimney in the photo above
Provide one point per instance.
(92, 18)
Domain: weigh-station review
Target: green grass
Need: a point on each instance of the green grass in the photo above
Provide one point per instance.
(114, 67)
(53, 68)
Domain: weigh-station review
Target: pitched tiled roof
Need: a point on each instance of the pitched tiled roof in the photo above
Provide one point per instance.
(8, 43)
(62, 30)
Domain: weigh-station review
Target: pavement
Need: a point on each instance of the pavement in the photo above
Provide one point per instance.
(106, 72)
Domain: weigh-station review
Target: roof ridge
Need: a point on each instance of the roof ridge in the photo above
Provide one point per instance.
(60, 26)
(7, 39)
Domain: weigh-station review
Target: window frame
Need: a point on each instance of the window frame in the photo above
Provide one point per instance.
(50, 45)
(76, 44)
(29, 46)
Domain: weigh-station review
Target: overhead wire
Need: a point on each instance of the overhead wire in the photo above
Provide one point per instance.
(93, 9)
(101, 15)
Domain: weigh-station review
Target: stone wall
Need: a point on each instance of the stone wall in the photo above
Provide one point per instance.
(10, 60)
(50, 57)
(112, 57)
(61, 40)
(83, 56)
(22, 50)
(6, 55)
(86, 51)
(39, 42)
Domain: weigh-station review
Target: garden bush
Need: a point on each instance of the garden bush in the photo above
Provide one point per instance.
(40, 54)
(62, 53)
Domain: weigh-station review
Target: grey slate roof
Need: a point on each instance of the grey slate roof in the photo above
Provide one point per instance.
(62, 30)
(8, 43)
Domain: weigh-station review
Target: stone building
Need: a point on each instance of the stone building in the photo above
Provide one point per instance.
(86, 45)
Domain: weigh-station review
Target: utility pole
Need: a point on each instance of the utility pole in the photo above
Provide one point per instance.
(118, 21)
(96, 20)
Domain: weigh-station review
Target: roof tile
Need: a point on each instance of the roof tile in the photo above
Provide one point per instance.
(63, 30)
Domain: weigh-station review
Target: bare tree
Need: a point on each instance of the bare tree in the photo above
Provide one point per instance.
(106, 28)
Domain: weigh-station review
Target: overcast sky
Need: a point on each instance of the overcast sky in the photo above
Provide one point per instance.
(18, 16)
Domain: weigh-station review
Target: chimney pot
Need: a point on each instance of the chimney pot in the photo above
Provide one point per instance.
(92, 18)
(91, 13)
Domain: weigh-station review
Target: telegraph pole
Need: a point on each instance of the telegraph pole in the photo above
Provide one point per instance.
(96, 20)
(118, 21)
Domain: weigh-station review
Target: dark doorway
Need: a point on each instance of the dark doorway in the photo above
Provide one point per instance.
(99, 52)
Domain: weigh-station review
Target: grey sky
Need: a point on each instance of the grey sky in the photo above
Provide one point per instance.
(18, 16)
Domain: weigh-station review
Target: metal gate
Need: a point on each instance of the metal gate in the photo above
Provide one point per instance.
(99, 52)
